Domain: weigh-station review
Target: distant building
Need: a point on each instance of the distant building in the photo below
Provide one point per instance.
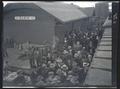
(101, 10)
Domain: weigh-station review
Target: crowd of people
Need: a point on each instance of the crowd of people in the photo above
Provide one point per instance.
(67, 66)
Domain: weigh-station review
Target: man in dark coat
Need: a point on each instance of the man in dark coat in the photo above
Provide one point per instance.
(30, 55)
(33, 77)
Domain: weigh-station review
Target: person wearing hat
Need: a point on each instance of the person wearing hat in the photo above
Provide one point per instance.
(77, 46)
(75, 80)
(65, 41)
(44, 70)
(65, 58)
(70, 51)
(85, 65)
(40, 81)
(65, 51)
(49, 57)
(64, 71)
(33, 77)
(62, 74)
(90, 44)
(89, 58)
(5, 68)
(76, 55)
(64, 67)
(59, 62)
(20, 47)
(56, 80)
(50, 77)
(52, 66)
(59, 71)
(5, 53)
(94, 41)
(68, 79)
(84, 40)
(27, 80)
(69, 47)
(30, 55)
(69, 63)
(84, 53)
(70, 40)
(72, 79)
(78, 58)
(87, 44)
(44, 59)
(48, 63)
(37, 57)
(69, 58)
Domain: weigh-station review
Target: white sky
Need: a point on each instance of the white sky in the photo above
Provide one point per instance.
(86, 3)
(82, 3)
(79, 3)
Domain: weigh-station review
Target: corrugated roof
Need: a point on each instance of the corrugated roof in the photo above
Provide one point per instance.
(61, 11)
(16, 6)
(89, 11)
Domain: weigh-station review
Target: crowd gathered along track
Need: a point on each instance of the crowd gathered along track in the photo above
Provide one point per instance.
(79, 48)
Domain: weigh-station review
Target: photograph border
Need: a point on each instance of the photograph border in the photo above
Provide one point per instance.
(115, 48)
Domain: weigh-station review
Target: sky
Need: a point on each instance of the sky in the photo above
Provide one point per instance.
(82, 3)
(78, 3)
(86, 3)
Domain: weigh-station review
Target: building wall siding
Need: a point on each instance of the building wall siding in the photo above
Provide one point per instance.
(81, 24)
(61, 29)
(36, 31)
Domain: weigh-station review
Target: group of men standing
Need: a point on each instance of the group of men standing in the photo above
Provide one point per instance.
(66, 66)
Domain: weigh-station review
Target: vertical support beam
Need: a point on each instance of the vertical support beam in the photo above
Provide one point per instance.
(72, 26)
(115, 34)
(1, 39)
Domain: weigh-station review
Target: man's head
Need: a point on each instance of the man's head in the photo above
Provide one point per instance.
(49, 62)
(52, 65)
(70, 72)
(78, 42)
(44, 65)
(89, 56)
(49, 55)
(78, 52)
(59, 60)
(69, 47)
(64, 67)
(83, 48)
(51, 73)
(76, 55)
(65, 52)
